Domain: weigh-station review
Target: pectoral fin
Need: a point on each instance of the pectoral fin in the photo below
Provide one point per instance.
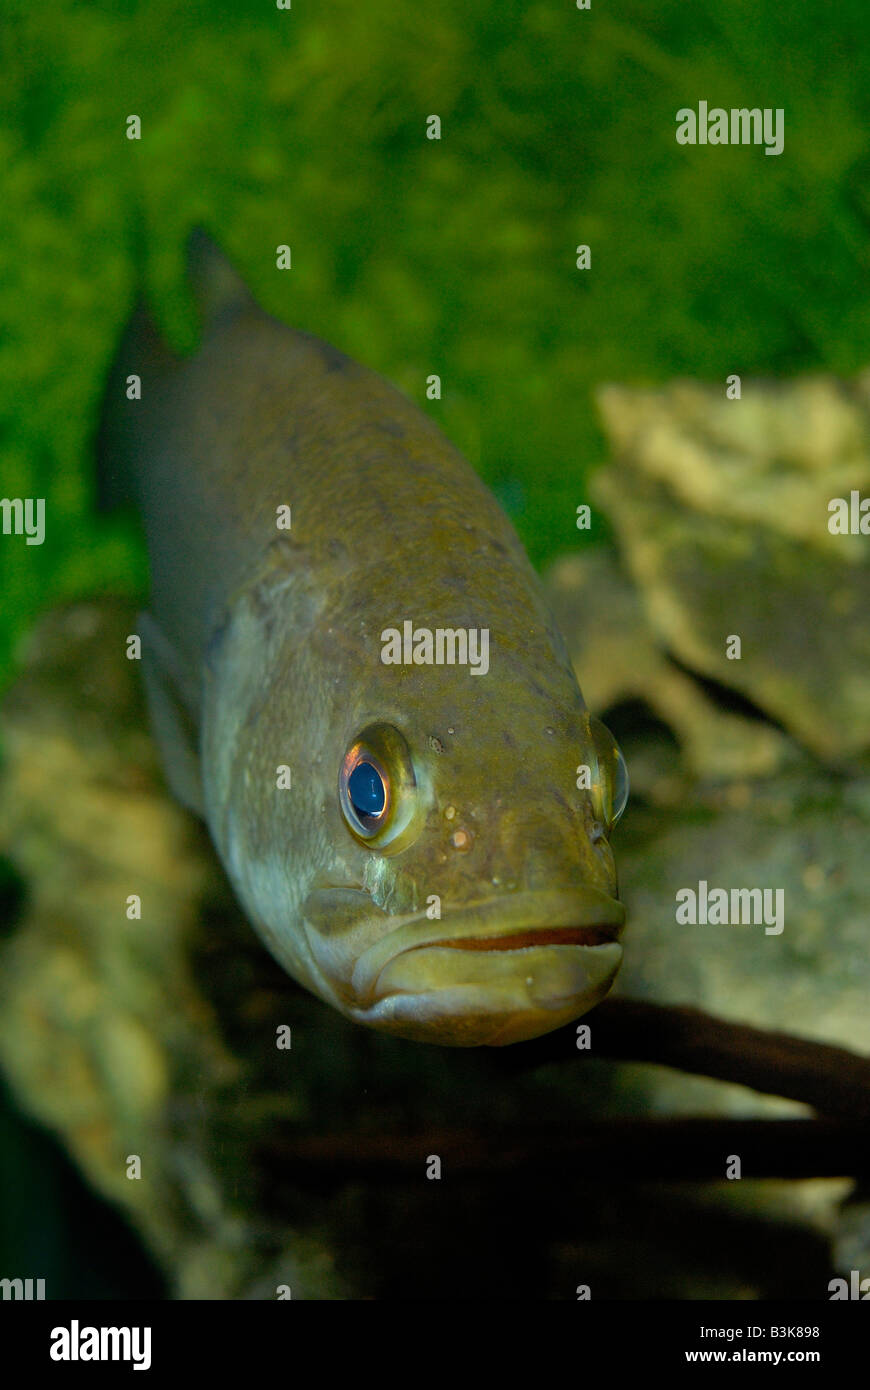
(171, 706)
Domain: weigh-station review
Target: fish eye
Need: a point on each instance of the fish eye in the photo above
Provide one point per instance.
(610, 789)
(377, 788)
(620, 784)
(367, 795)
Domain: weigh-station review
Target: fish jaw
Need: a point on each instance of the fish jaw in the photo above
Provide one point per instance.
(516, 995)
(488, 973)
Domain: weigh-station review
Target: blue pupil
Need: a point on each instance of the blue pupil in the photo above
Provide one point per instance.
(366, 790)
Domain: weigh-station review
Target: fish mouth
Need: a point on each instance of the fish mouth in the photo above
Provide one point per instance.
(488, 972)
(536, 936)
(508, 925)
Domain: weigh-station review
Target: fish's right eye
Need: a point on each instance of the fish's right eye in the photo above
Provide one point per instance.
(366, 794)
(377, 789)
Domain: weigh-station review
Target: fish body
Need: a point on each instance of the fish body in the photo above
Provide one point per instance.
(433, 868)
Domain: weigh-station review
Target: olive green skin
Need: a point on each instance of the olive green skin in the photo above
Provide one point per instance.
(274, 643)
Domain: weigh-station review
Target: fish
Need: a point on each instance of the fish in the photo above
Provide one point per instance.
(424, 844)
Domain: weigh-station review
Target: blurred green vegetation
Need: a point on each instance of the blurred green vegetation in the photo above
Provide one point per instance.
(308, 127)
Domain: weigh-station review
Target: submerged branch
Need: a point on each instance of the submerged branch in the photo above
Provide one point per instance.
(660, 1149)
(831, 1079)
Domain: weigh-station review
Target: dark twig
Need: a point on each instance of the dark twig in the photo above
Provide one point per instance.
(651, 1149)
(833, 1080)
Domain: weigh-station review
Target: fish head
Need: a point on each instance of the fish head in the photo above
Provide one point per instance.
(470, 892)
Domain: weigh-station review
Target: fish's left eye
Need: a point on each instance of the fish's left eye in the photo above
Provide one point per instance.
(377, 789)
(610, 791)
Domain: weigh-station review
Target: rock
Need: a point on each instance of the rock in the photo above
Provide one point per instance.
(618, 660)
(802, 833)
(721, 512)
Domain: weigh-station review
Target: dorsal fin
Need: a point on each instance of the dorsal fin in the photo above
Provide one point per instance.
(217, 286)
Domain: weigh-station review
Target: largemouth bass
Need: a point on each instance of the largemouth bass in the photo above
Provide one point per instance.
(354, 679)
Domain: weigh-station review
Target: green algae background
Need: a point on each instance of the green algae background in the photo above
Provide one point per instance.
(307, 127)
(456, 257)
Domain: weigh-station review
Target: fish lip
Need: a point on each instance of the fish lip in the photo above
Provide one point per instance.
(598, 935)
(510, 915)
